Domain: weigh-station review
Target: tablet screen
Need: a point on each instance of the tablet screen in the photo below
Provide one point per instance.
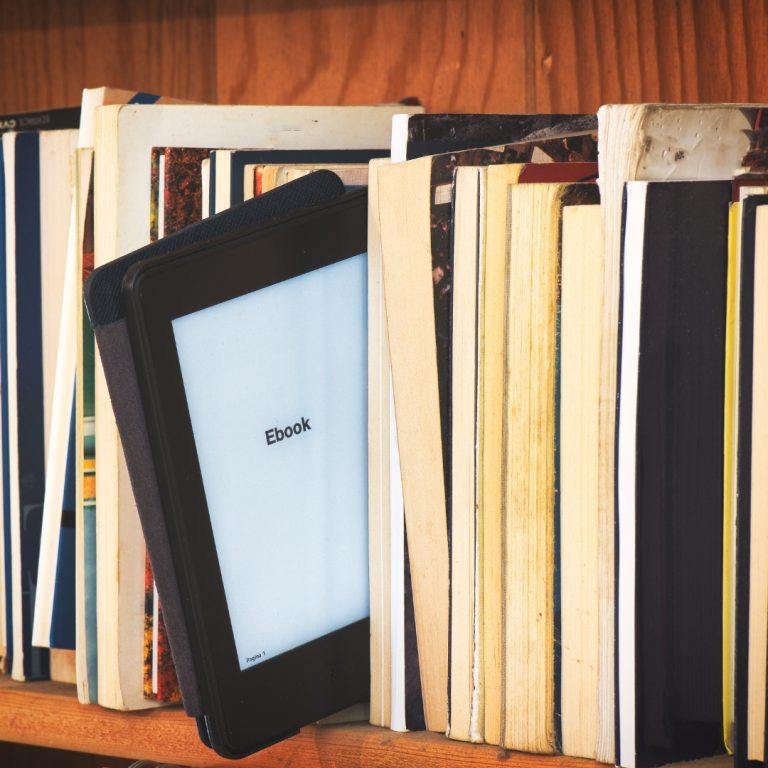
(276, 385)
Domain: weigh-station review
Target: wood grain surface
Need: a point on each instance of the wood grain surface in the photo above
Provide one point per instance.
(51, 49)
(48, 715)
(454, 55)
(592, 52)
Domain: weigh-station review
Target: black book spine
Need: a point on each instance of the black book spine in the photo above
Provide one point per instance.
(679, 472)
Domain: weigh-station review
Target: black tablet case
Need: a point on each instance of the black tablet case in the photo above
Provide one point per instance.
(107, 315)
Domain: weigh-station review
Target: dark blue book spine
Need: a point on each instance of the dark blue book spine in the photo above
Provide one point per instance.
(63, 616)
(212, 185)
(29, 377)
(52, 119)
(6, 495)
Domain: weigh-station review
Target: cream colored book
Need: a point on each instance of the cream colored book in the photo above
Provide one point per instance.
(466, 689)
(758, 501)
(274, 175)
(580, 338)
(404, 196)
(124, 136)
(491, 314)
(414, 202)
(59, 429)
(353, 175)
(529, 432)
(379, 469)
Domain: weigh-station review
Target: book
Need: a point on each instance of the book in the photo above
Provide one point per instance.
(54, 618)
(52, 119)
(530, 443)
(730, 469)
(416, 220)
(37, 167)
(424, 502)
(751, 578)
(670, 414)
(57, 527)
(86, 617)
(353, 176)
(743, 187)
(230, 167)
(436, 133)
(182, 188)
(477, 585)
(422, 221)
(396, 699)
(449, 135)
(84, 362)
(124, 137)
(489, 356)
(62, 636)
(578, 476)
(178, 192)
(42, 120)
(648, 142)
(6, 618)
(469, 570)
(387, 663)
(465, 693)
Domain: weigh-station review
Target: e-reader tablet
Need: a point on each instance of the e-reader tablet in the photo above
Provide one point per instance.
(251, 362)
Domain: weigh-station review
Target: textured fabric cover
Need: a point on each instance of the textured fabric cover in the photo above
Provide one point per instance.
(107, 315)
(120, 373)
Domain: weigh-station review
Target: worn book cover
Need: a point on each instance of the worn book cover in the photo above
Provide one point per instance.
(429, 134)
(176, 202)
(416, 227)
(670, 415)
(751, 522)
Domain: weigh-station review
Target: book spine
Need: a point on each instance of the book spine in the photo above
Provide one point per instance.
(29, 378)
(54, 119)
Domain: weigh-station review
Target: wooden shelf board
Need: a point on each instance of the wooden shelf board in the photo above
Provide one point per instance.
(48, 715)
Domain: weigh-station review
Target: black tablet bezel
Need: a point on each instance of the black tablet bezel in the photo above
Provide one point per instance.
(244, 710)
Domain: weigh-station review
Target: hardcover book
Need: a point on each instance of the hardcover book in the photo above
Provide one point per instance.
(670, 414)
(431, 134)
(176, 197)
(649, 142)
(37, 167)
(751, 522)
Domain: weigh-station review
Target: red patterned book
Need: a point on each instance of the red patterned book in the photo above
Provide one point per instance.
(176, 179)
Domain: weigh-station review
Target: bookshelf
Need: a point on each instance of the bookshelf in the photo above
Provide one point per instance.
(48, 714)
(454, 55)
